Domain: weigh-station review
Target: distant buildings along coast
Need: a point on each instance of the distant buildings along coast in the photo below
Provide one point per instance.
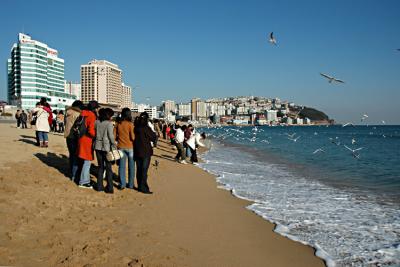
(243, 110)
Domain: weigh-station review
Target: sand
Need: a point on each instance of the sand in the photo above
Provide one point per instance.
(46, 220)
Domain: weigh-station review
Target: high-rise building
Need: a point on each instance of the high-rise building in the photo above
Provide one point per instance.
(101, 81)
(201, 110)
(35, 71)
(73, 88)
(152, 111)
(126, 96)
(184, 109)
(193, 103)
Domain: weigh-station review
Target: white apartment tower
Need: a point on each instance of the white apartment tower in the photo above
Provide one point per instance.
(35, 71)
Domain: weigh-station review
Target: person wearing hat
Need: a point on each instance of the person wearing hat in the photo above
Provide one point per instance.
(85, 143)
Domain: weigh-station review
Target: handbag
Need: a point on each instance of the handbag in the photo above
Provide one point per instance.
(114, 154)
(34, 119)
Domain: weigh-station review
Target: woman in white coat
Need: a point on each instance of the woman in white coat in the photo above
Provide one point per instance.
(42, 124)
(193, 142)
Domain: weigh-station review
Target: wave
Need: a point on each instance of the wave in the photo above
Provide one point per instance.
(344, 227)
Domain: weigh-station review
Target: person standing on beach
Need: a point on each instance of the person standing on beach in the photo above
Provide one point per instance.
(188, 133)
(104, 143)
(18, 118)
(72, 140)
(85, 143)
(24, 119)
(143, 150)
(60, 121)
(179, 139)
(42, 123)
(125, 137)
(193, 143)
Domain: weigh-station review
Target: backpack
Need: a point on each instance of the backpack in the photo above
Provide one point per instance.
(78, 128)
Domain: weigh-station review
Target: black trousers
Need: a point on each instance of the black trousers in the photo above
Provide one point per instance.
(142, 167)
(103, 163)
(193, 157)
(24, 124)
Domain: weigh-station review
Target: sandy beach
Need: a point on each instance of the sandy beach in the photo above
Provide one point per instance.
(46, 220)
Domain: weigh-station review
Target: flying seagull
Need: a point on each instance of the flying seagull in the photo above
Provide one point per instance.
(272, 39)
(331, 79)
(347, 124)
(364, 117)
(318, 150)
(353, 151)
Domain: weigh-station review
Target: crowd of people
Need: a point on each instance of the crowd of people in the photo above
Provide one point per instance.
(93, 132)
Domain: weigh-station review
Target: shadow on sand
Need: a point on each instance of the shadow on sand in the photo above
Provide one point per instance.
(58, 162)
(28, 141)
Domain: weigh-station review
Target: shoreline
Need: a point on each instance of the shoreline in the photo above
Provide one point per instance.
(188, 221)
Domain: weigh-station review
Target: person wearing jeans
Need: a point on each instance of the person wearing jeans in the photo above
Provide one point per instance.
(85, 174)
(85, 142)
(70, 117)
(42, 123)
(125, 137)
(128, 155)
(43, 137)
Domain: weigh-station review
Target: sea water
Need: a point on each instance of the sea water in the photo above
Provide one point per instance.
(344, 203)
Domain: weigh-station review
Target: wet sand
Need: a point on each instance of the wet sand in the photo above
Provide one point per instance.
(46, 220)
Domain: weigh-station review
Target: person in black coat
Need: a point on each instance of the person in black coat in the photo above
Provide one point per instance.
(143, 150)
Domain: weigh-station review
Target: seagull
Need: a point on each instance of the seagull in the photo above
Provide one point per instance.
(272, 39)
(291, 135)
(347, 124)
(318, 151)
(383, 122)
(294, 139)
(333, 141)
(364, 117)
(354, 151)
(331, 79)
(353, 141)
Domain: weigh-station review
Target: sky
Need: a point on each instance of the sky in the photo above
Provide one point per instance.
(178, 50)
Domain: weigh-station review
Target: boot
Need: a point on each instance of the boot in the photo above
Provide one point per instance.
(46, 144)
(41, 144)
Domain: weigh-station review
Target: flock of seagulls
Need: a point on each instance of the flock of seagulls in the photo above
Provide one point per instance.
(240, 134)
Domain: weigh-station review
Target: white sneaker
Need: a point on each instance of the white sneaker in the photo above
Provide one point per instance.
(87, 186)
(183, 162)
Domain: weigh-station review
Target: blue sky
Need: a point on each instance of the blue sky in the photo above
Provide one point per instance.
(183, 49)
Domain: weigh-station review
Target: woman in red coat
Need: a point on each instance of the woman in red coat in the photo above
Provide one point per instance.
(85, 143)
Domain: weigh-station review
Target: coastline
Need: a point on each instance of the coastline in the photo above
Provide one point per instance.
(187, 222)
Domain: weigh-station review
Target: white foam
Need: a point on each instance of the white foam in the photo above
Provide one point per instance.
(343, 228)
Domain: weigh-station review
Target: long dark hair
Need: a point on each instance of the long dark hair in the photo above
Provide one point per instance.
(105, 114)
(126, 115)
(142, 120)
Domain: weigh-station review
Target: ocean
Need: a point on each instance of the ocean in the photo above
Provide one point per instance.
(334, 188)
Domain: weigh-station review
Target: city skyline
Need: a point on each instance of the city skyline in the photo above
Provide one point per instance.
(180, 51)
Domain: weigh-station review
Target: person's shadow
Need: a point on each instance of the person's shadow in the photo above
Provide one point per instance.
(28, 141)
(58, 162)
(28, 136)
